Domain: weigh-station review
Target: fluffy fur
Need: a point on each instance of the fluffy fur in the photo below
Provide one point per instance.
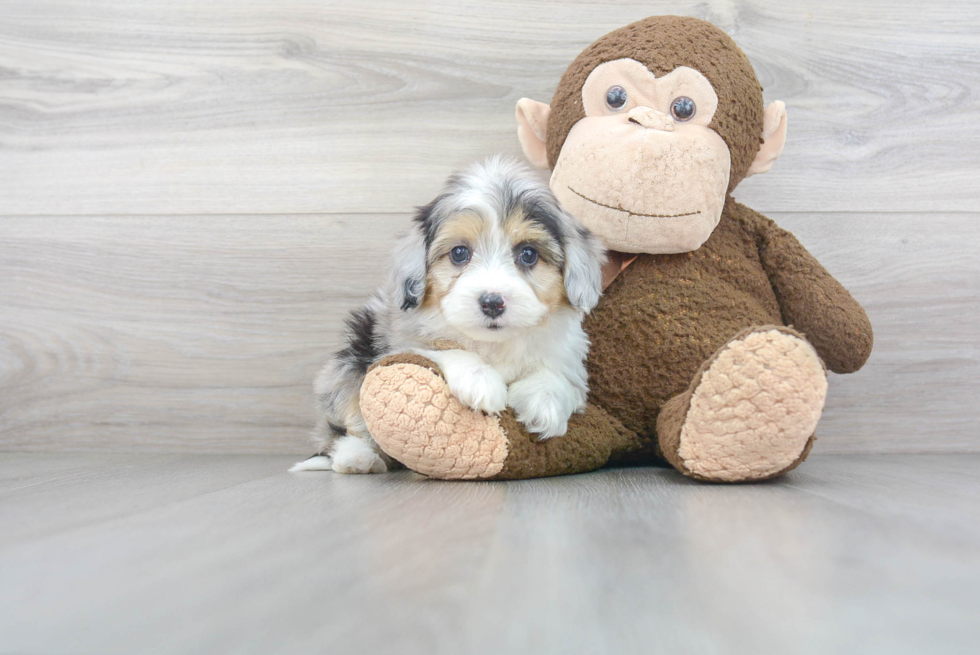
(492, 284)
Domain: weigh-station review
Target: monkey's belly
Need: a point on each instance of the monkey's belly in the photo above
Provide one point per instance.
(647, 346)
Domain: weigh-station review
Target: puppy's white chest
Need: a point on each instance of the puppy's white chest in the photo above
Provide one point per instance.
(512, 360)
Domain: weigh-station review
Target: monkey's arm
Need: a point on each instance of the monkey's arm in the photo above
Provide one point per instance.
(814, 302)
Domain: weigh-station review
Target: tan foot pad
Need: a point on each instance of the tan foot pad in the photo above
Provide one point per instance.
(413, 417)
(755, 408)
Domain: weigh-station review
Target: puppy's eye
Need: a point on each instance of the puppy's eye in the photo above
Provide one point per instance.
(616, 98)
(683, 108)
(460, 254)
(528, 256)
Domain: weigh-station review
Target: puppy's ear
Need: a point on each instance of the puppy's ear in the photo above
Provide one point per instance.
(412, 253)
(410, 268)
(584, 257)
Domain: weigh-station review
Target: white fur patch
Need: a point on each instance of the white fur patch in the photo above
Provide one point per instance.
(474, 383)
(352, 454)
(544, 401)
(315, 463)
(492, 271)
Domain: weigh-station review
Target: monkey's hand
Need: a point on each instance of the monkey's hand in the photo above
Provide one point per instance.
(814, 303)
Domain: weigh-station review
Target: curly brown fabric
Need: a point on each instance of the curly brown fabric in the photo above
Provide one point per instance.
(666, 315)
(592, 439)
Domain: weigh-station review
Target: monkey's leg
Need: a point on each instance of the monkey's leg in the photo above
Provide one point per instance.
(751, 410)
(413, 417)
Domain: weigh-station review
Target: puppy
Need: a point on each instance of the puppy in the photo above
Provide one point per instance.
(491, 283)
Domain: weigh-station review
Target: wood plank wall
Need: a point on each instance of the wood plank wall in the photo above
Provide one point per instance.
(193, 194)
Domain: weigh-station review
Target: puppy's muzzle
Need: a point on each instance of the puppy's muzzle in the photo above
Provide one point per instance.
(492, 304)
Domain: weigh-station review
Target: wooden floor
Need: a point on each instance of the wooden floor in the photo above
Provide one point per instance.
(125, 553)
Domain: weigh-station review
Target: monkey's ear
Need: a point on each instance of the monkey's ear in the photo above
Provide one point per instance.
(532, 130)
(774, 138)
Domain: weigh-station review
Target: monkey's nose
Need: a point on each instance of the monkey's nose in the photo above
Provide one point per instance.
(492, 304)
(651, 119)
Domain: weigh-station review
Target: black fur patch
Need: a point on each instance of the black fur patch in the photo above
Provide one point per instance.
(362, 343)
(425, 217)
(411, 293)
(427, 222)
(546, 218)
(534, 209)
(337, 430)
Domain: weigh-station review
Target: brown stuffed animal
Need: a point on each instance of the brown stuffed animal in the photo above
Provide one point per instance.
(709, 345)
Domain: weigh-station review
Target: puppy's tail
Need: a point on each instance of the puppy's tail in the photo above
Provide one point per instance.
(315, 463)
(364, 343)
(338, 385)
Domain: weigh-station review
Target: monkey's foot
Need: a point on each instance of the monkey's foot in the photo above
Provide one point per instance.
(416, 420)
(750, 412)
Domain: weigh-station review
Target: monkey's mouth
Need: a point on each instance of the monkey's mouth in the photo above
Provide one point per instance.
(628, 211)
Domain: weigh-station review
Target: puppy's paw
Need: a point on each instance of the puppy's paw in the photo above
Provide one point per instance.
(352, 454)
(478, 387)
(542, 408)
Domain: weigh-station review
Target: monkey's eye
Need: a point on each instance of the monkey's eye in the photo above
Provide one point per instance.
(528, 256)
(616, 98)
(683, 108)
(460, 254)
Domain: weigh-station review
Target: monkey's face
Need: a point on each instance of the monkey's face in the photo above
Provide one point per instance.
(643, 169)
(645, 148)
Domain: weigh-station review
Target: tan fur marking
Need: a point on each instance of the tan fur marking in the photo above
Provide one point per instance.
(545, 277)
(548, 285)
(459, 230)
(439, 281)
(522, 231)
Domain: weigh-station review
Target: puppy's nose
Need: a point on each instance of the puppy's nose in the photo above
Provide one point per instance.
(492, 304)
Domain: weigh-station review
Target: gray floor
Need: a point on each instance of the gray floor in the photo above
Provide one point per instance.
(121, 553)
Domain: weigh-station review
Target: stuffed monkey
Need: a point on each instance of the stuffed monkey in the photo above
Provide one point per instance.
(711, 342)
